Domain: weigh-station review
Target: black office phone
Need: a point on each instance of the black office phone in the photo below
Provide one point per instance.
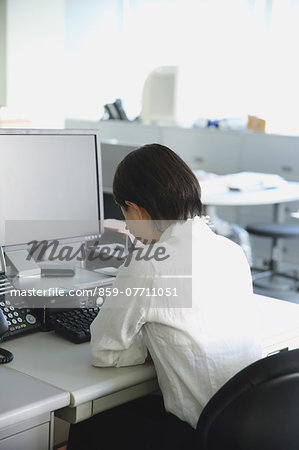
(19, 318)
(5, 355)
(115, 110)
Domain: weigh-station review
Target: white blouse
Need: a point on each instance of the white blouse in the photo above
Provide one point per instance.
(191, 306)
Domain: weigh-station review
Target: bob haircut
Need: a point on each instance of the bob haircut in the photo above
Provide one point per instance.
(157, 179)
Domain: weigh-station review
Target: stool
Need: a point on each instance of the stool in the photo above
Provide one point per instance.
(274, 231)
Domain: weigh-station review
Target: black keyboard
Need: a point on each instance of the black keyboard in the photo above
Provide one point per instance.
(73, 324)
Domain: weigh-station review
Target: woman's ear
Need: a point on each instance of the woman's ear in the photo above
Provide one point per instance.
(130, 203)
(138, 211)
(134, 209)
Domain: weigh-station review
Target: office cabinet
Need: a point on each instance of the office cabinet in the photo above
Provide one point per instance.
(26, 410)
(121, 130)
(271, 154)
(129, 132)
(209, 149)
(30, 434)
(202, 149)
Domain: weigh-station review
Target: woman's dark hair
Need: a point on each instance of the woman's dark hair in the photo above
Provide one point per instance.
(156, 178)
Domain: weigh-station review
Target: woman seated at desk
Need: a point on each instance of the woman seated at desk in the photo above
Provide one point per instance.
(185, 299)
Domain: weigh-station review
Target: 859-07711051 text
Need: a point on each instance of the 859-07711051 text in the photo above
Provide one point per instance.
(138, 291)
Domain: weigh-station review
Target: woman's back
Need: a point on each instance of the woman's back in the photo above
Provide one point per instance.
(210, 333)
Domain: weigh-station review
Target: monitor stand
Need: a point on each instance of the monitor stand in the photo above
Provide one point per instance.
(22, 264)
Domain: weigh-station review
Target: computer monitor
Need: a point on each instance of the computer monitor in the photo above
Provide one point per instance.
(50, 186)
(160, 96)
(113, 152)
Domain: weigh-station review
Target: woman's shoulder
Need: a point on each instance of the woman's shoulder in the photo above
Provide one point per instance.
(139, 262)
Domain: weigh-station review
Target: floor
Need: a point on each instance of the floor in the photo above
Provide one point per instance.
(288, 296)
(280, 288)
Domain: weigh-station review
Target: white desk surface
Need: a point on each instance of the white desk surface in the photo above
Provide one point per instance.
(215, 192)
(64, 365)
(54, 360)
(280, 324)
(23, 397)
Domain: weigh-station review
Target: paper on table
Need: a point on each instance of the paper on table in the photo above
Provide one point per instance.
(254, 181)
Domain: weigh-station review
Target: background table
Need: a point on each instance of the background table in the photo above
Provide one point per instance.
(215, 192)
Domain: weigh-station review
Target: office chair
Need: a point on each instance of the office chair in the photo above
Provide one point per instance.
(257, 409)
(275, 231)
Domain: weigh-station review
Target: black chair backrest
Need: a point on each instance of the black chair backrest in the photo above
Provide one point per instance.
(257, 409)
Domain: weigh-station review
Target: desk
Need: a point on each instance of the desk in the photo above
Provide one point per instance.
(54, 360)
(65, 366)
(215, 192)
(26, 411)
(280, 324)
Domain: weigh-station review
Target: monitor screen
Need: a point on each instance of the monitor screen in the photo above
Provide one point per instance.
(113, 152)
(50, 185)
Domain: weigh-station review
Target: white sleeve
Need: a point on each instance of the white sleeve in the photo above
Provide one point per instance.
(116, 336)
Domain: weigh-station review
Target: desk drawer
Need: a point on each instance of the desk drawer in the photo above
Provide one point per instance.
(124, 396)
(271, 154)
(28, 434)
(205, 149)
(75, 414)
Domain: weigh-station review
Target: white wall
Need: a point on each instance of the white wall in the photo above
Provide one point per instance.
(95, 68)
(2, 52)
(35, 61)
